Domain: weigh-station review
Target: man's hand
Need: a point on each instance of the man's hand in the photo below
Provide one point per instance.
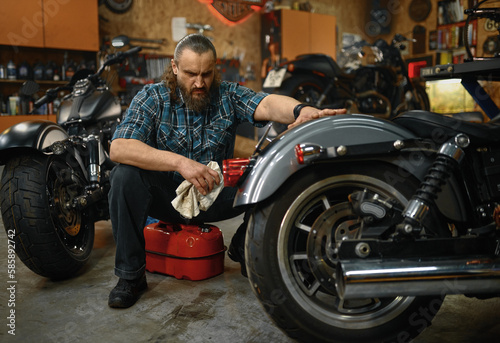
(201, 176)
(309, 113)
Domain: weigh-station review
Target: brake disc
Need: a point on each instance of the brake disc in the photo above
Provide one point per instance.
(337, 223)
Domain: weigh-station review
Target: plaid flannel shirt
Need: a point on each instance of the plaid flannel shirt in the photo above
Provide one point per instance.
(208, 136)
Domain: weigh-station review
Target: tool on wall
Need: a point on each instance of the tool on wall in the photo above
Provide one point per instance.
(200, 27)
(123, 40)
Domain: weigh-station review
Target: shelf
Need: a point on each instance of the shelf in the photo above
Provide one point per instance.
(451, 36)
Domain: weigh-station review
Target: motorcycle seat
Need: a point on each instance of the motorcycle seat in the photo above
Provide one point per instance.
(427, 124)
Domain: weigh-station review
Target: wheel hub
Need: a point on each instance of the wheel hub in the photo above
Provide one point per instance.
(69, 218)
(334, 225)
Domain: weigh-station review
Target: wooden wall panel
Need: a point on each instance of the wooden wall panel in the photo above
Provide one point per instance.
(25, 32)
(152, 19)
(325, 41)
(71, 25)
(295, 34)
(351, 15)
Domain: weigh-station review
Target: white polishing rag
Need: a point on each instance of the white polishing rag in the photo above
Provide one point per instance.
(190, 201)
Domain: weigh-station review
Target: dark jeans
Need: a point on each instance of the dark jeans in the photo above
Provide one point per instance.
(136, 194)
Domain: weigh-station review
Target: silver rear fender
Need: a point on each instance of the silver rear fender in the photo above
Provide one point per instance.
(278, 162)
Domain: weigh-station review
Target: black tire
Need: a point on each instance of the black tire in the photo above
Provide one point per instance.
(304, 88)
(423, 102)
(118, 6)
(50, 239)
(299, 302)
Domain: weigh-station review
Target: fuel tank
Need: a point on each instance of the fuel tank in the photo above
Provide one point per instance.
(94, 107)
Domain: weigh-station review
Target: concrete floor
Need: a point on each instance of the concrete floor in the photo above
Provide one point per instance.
(220, 309)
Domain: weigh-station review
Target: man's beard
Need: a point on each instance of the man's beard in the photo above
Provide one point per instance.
(196, 102)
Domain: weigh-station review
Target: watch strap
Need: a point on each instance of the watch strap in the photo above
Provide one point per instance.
(297, 109)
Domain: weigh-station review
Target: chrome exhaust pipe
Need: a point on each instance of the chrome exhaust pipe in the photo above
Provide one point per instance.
(381, 278)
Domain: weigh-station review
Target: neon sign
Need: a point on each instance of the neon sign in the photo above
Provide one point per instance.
(233, 11)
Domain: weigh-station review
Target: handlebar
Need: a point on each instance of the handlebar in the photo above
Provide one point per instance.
(119, 57)
(50, 95)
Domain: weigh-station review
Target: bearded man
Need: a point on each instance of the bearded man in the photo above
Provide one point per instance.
(171, 131)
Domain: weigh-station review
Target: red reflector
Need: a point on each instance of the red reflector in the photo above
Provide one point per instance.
(291, 67)
(299, 153)
(233, 169)
(414, 68)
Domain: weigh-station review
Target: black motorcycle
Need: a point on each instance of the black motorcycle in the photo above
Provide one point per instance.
(382, 88)
(55, 180)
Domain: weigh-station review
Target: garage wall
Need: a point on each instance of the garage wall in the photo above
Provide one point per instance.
(152, 19)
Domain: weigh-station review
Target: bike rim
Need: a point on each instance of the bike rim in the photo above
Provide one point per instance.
(295, 261)
(69, 223)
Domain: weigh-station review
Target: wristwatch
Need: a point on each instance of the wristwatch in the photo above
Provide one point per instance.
(298, 108)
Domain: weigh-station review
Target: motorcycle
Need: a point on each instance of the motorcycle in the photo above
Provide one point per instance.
(56, 175)
(382, 89)
(360, 226)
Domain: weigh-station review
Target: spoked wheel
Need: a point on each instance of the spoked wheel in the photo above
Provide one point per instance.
(291, 260)
(52, 237)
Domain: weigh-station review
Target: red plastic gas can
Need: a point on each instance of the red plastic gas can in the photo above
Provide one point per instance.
(192, 252)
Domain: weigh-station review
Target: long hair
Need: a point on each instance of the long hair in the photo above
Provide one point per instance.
(198, 44)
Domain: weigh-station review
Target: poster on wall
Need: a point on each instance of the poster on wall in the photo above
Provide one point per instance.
(179, 28)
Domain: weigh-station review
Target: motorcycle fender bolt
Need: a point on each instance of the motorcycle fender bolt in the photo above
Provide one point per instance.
(341, 150)
(408, 228)
(462, 140)
(362, 249)
(398, 145)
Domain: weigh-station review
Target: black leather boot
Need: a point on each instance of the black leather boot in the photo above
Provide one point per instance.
(236, 251)
(127, 292)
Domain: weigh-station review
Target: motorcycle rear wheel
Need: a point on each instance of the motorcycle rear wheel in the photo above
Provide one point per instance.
(51, 238)
(280, 266)
(305, 89)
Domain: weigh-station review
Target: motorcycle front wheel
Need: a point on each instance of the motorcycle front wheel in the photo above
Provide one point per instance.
(296, 291)
(52, 238)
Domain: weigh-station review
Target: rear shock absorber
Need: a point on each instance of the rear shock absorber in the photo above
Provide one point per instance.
(449, 157)
(94, 168)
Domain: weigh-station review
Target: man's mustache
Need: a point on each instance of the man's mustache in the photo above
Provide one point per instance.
(199, 89)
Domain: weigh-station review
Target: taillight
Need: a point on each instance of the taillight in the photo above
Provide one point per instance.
(233, 169)
(308, 152)
(299, 153)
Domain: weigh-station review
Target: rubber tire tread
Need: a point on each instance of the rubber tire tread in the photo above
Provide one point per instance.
(25, 213)
(268, 286)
